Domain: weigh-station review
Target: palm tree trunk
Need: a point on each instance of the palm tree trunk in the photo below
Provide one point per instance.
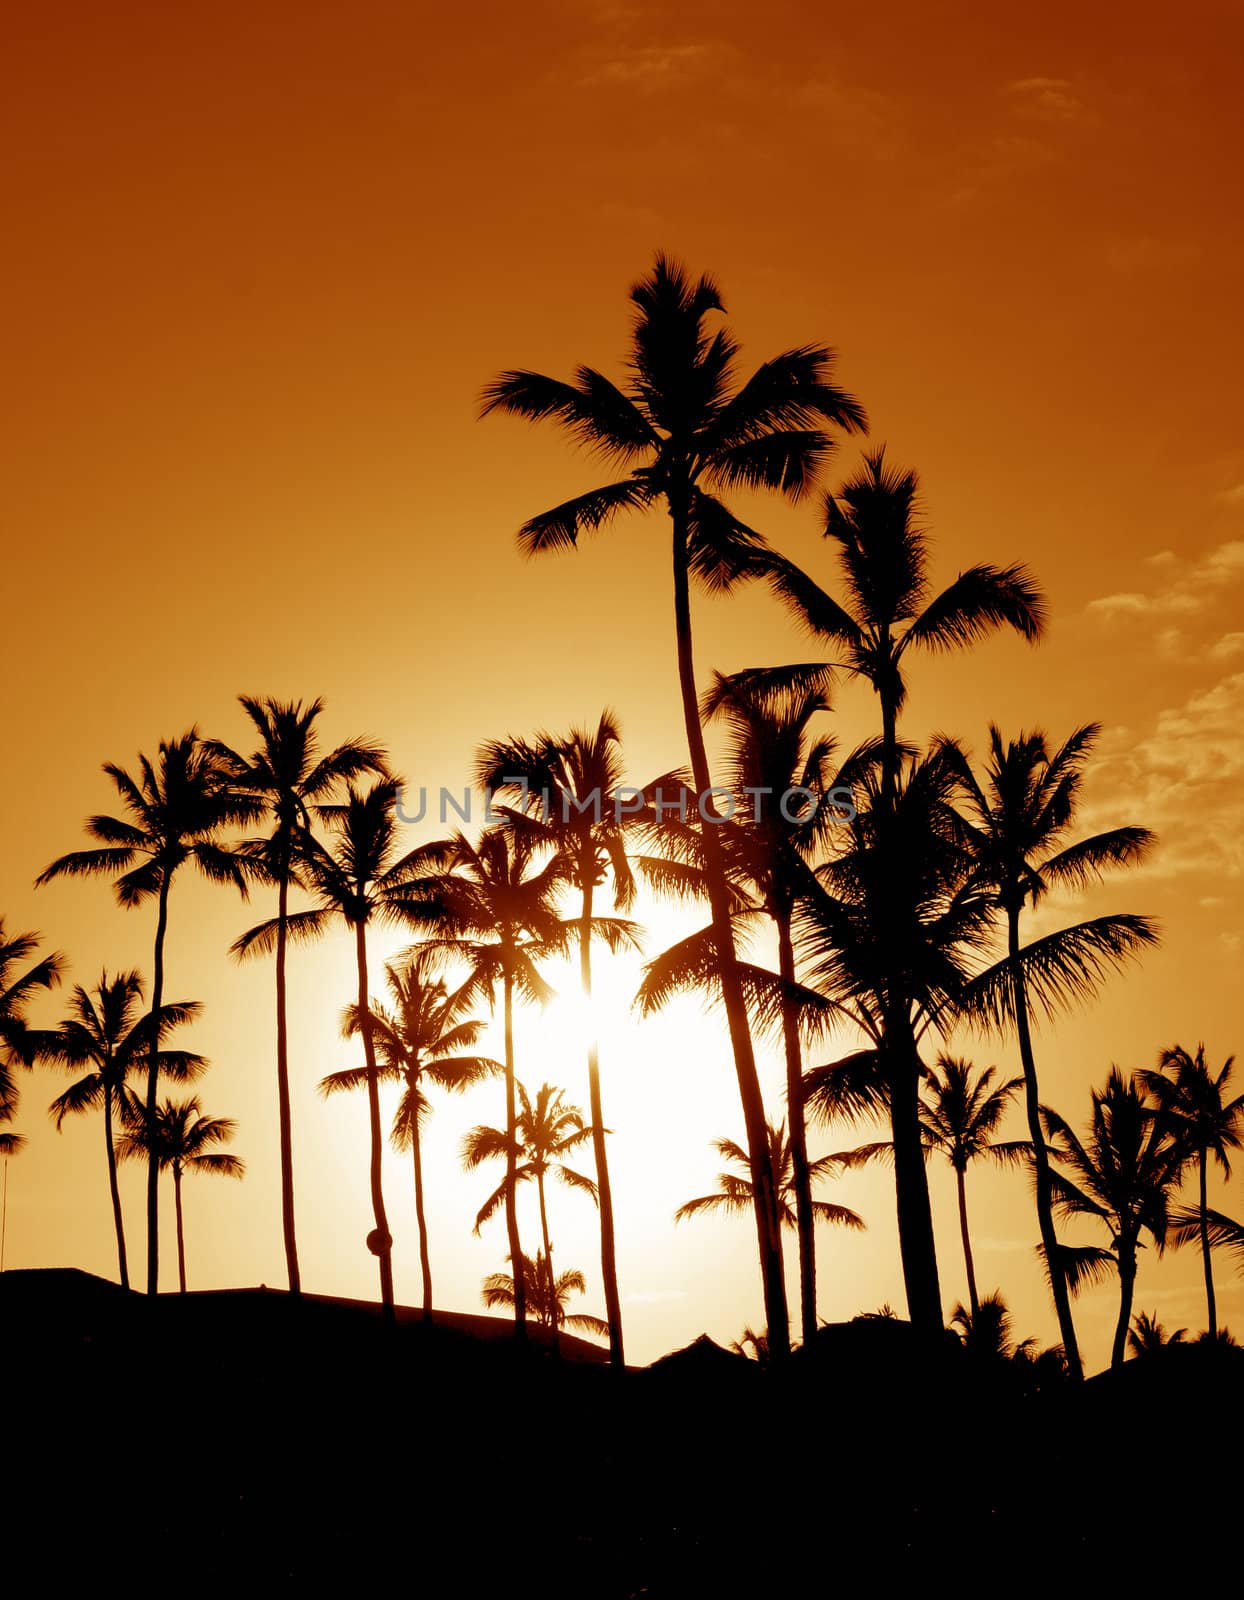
(181, 1235)
(383, 1241)
(153, 1082)
(798, 1133)
(282, 1088)
(1211, 1303)
(917, 1243)
(511, 1165)
(768, 1236)
(1041, 1161)
(425, 1264)
(1127, 1286)
(548, 1267)
(608, 1256)
(973, 1298)
(113, 1190)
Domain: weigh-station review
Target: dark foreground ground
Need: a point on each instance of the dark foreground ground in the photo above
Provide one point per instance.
(243, 1441)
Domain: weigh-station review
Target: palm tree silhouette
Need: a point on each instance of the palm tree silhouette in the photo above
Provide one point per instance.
(1123, 1174)
(361, 882)
(890, 931)
(1147, 1335)
(1017, 822)
(288, 774)
(18, 1042)
(1194, 1098)
(685, 429)
(424, 1035)
(771, 755)
(108, 1032)
(883, 556)
(497, 907)
(176, 808)
(571, 787)
(734, 1189)
(180, 1137)
(546, 1130)
(545, 1296)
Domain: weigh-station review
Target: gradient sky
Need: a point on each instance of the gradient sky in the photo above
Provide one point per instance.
(259, 262)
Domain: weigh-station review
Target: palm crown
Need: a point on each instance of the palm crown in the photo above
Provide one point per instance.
(734, 1191)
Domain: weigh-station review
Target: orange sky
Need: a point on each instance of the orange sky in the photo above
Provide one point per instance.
(258, 264)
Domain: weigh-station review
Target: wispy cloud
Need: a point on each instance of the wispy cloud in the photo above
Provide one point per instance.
(1046, 99)
(654, 68)
(1193, 587)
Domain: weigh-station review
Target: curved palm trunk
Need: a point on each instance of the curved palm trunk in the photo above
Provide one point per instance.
(383, 1241)
(425, 1264)
(1127, 1286)
(608, 1256)
(113, 1190)
(798, 1133)
(554, 1320)
(181, 1234)
(768, 1236)
(1041, 1162)
(973, 1298)
(917, 1243)
(282, 1089)
(153, 1081)
(1211, 1303)
(511, 1166)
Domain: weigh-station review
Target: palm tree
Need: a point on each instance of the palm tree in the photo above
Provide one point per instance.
(288, 774)
(684, 429)
(1195, 1099)
(496, 904)
(772, 755)
(571, 785)
(180, 1137)
(424, 1035)
(1147, 1335)
(18, 1043)
(545, 1296)
(1123, 1174)
(987, 1331)
(175, 808)
(890, 933)
(1016, 825)
(361, 882)
(883, 555)
(108, 1032)
(546, 1130)
(734, 1189)
(960, 1112)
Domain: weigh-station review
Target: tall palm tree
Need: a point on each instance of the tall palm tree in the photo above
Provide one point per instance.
(545, 1295)
(961, 1109)
(1017, 823)
(772, 754)
(360, 881)
(108, 1032)
(684, 429)
(547, 1129)
(734, 1189)
(288, 774)
(1196, 1101)
(180, 1138)
(18, 1042)
(891, 609)
(570, 787)
(175, 810)
(497, 906)
(890, 935)
(1123, 1174)
(423, 1036)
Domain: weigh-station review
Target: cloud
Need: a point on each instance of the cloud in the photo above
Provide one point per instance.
(1190, 592)
(652, 68)
(1228, 647)
(1234, 496)
(1047, 99)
